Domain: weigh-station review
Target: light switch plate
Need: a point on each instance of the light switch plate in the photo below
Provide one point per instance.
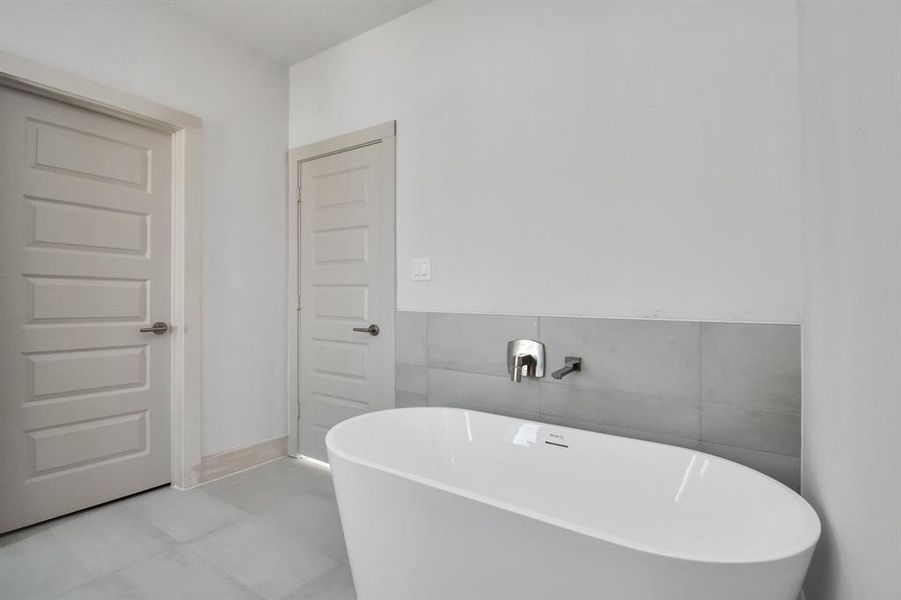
(421, 269)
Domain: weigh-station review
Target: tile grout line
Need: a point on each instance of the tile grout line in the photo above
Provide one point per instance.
(744, 406)
(541, 414)
(228, 576)
(116, 577)
(767, 452)
(121, 503)
(428, 384)
(700, 383)
(615, 318)
(697, 399)
(94, 577)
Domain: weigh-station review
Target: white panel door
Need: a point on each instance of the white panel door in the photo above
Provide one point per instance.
(346, 285)
(85, 202)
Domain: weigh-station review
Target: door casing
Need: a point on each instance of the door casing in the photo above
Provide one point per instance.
(186, 233)
(384, 135)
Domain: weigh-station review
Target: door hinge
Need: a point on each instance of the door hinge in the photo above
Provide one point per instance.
(298, 302)
(298, 194)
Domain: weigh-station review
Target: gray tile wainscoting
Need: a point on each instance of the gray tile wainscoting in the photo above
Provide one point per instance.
(733, 390)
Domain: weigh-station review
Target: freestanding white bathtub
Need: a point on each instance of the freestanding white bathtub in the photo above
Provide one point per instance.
(442, 503)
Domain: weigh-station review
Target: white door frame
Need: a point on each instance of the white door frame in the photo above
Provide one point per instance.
(187, 214)
(384, 134)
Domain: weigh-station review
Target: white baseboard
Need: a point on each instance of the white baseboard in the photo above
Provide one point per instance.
(226, 463)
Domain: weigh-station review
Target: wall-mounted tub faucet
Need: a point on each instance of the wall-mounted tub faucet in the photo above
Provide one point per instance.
(573, 363)
(525, 358)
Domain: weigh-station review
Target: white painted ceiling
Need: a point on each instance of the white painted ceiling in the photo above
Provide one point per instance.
(289, 31)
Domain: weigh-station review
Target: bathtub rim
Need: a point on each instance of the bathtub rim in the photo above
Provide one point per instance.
(562, 523)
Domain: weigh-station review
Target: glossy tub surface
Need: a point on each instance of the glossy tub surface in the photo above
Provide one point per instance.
(444, 503)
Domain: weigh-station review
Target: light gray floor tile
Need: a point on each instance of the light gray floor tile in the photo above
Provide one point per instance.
(176, 575)
(39, 566)
(310, 518)
(110, 537)
(267, 485)
(292, 546)
(13, 537)
(264, 558)
(475, 343)
(184, 515)
(336, 584)
(100, 589)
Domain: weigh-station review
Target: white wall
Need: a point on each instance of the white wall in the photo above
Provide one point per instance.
(851, 107)
(634, 159)
(155, 52)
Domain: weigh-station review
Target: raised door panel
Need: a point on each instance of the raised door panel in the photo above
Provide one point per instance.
(85, 217)
(342, 287)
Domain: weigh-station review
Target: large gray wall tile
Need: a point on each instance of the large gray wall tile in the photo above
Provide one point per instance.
(676, 417)
(435, 400)
(484, 390)
(752, 365)
(786, 469)
(409, 378)
(653, 437)
(655, 358)
(768, 431)
(733, 389)
(411, 338)
(475, 343)
(574, 423)
(407, 399)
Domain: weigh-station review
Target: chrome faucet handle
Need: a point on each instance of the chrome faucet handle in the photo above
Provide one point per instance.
(525, 358)
(520, 362)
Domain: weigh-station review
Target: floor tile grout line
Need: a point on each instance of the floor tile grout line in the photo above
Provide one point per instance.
(123, 508)
(121, 503)
(175, 542)
(222, 572)
(271, 529)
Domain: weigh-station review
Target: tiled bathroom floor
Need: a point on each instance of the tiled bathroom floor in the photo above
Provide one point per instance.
(270, 532)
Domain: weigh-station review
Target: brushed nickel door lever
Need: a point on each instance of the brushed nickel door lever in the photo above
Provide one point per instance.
(372, 330)
(158, 328)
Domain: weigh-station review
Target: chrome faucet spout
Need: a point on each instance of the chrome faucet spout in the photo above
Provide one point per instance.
(572, 363)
